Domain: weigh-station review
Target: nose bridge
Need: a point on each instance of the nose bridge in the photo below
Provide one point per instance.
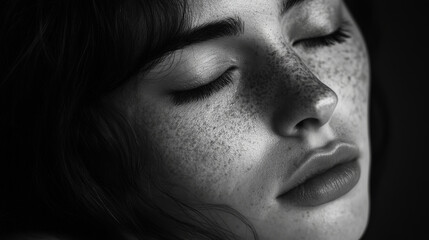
(304, 101)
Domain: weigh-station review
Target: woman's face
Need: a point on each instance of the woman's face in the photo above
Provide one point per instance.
(276, 94)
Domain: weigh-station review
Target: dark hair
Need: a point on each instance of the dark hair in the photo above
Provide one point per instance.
(71, 162)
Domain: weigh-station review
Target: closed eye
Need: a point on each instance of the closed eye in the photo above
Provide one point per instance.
(337, 37)
(204, 91)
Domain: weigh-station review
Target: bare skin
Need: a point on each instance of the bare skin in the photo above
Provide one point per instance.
(234, 146)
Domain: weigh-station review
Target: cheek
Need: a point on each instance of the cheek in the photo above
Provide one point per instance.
(206, 149)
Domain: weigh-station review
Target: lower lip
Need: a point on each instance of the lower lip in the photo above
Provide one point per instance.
(325, 187)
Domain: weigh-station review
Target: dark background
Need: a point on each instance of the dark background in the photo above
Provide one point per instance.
(397, 36)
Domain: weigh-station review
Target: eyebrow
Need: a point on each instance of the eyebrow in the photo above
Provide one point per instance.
(231, 26)
(287, 5)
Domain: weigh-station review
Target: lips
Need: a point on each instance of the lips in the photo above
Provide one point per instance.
(323, 175)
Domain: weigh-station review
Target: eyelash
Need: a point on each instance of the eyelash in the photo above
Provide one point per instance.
(205, 91)
(337, 37)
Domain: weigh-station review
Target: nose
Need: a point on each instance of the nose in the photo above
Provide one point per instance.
(307, 104)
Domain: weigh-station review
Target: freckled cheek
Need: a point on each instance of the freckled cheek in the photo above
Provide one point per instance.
(355, 84)
(206, 154)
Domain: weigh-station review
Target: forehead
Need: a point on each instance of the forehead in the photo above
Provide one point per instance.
(209, 10)
(256, 11)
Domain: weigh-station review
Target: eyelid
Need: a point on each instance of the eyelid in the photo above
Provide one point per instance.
(340, 35)
(204, 91)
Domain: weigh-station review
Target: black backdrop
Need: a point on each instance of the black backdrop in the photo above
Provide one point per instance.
(397, 34)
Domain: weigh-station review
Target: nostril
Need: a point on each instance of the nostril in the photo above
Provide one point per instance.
(308, 110)
(308, 123)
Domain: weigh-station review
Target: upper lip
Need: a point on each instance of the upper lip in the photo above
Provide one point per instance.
(318, 161)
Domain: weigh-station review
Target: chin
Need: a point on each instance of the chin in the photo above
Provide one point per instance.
(343, 219)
